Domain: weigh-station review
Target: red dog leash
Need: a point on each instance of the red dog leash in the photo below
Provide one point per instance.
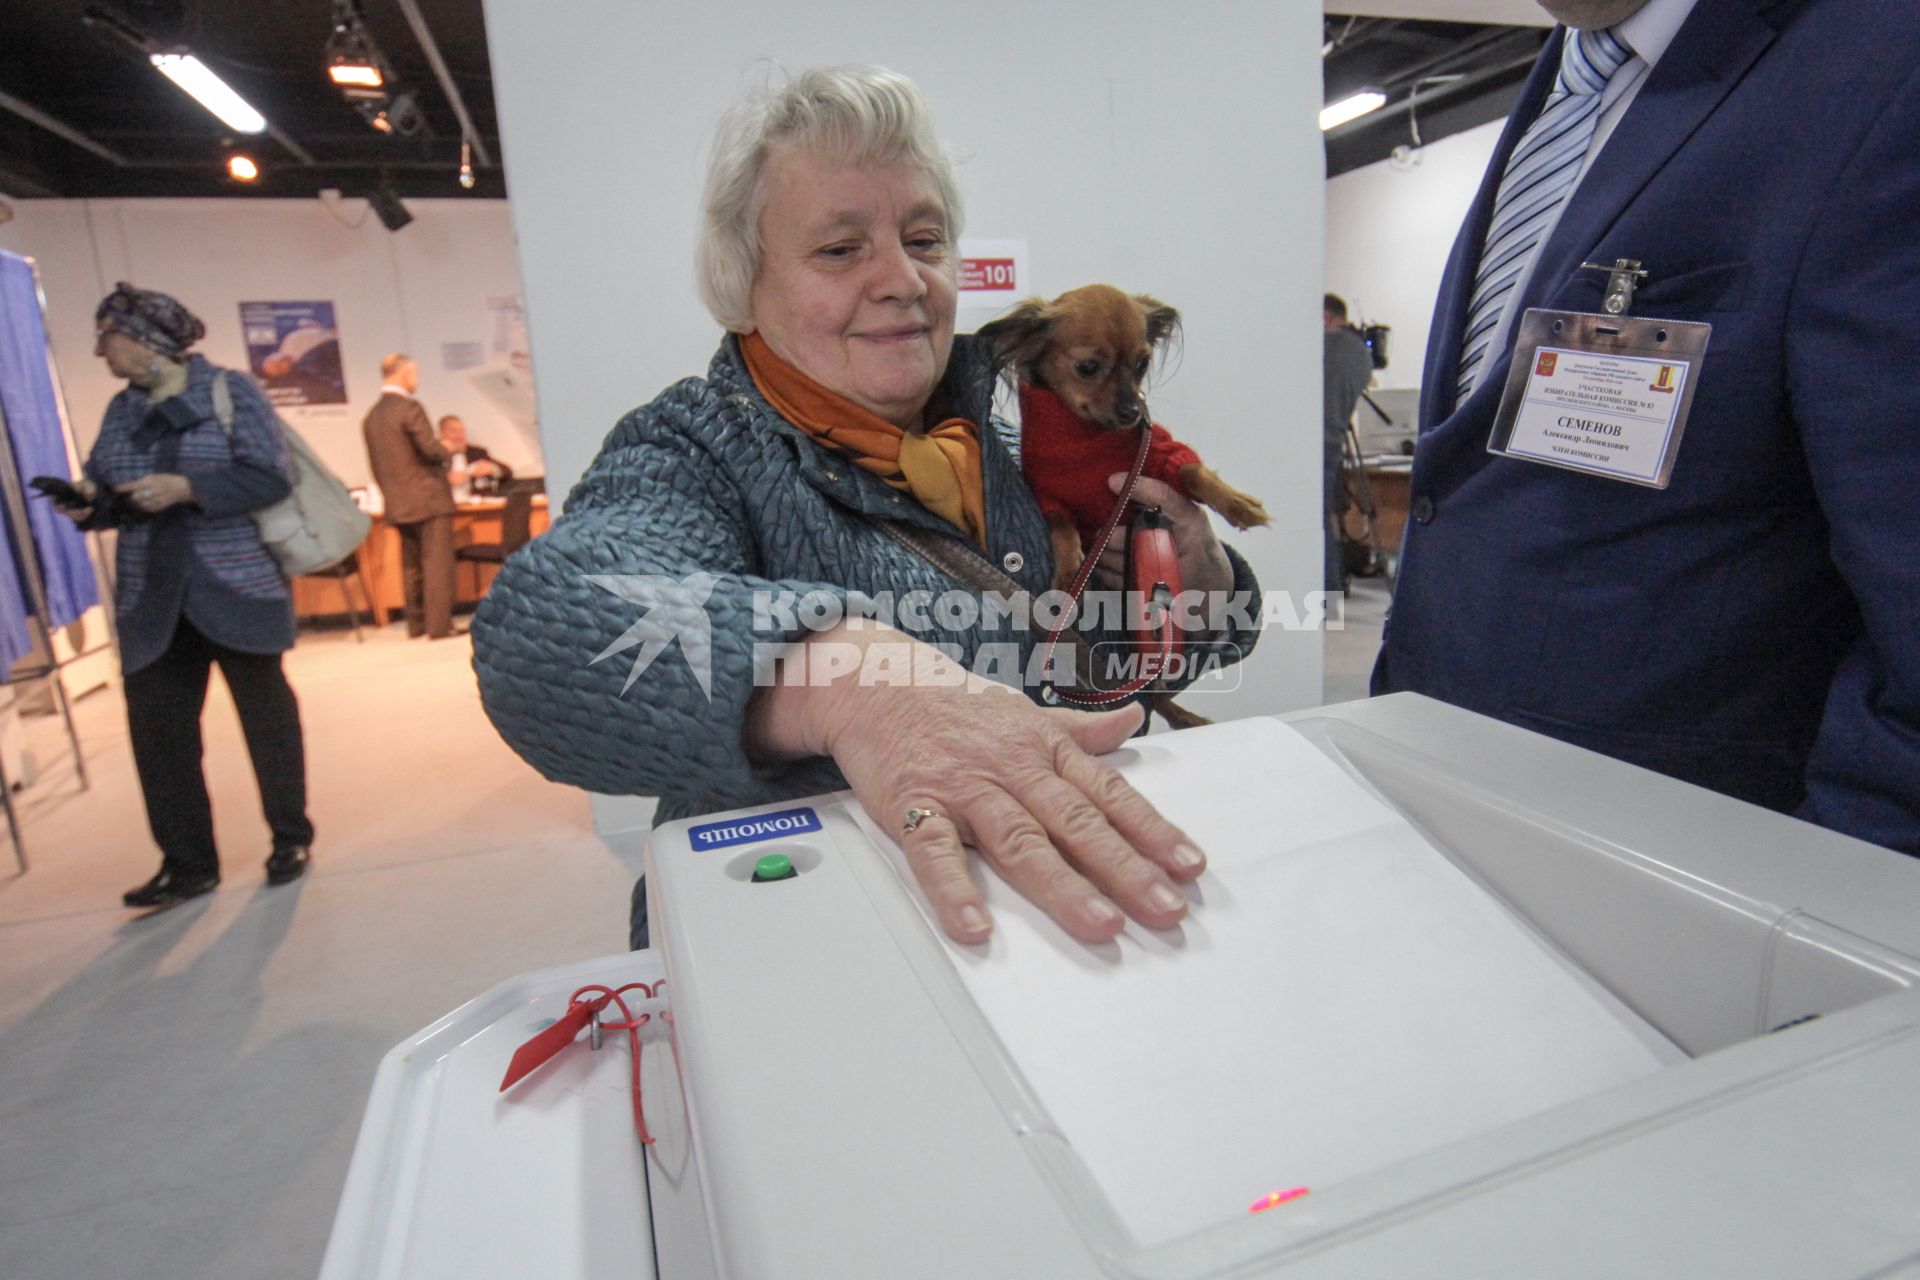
(1153, 573)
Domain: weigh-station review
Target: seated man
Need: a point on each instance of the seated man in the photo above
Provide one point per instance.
(471, 462)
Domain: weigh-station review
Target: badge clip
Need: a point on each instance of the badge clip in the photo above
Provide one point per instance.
(1623, 277)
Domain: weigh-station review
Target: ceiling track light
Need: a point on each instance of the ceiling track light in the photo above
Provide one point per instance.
(353, 59)
(385, 202)
(466, 165)
(399, 114)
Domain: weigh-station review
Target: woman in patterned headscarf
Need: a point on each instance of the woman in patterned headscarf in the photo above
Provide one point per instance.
(196, 585)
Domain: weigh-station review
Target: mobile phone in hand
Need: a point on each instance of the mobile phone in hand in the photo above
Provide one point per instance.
(61, 492)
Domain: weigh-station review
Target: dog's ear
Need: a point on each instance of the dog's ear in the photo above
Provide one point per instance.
(1162, 321)
(1020, 337)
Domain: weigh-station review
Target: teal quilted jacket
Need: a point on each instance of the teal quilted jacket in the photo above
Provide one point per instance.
(618, 651)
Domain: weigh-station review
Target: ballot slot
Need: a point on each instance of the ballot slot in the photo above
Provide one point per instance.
(1708, 966)
(1815, 968)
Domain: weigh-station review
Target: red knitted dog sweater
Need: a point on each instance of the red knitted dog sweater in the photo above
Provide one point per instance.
(1067, 459)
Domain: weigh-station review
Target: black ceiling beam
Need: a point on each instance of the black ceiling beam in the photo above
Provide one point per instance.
(293, 148)
(1460, 88)
(318, 166)
(60, 129)
(1464, 52)
(1357, 32)
(23, 186)
(431, 48)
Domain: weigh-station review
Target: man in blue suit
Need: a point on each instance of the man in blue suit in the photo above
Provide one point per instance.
(1755, 626)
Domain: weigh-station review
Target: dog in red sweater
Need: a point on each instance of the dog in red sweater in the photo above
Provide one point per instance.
(1081, 360)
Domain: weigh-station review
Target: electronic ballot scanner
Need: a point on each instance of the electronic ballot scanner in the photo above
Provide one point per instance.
(1452, 1000)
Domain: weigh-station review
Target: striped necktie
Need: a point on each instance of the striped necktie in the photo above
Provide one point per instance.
(1540, 173)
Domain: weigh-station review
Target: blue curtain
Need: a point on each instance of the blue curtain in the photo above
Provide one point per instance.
(28, 397)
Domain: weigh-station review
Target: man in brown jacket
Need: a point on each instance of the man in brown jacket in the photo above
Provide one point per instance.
(410, 466)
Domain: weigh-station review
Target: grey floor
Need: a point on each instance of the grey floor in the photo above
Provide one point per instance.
(179, 1094)
(1350, 651)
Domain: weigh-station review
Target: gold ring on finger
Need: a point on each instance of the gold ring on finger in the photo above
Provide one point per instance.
(917, 816)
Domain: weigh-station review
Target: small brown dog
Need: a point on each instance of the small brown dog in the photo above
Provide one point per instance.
(1081, 360)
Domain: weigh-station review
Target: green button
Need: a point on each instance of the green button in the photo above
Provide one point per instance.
(775, 866)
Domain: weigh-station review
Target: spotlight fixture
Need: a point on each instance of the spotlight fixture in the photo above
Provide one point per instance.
(353, 60)
(466, 165)
(387, 207)
(399, 114)
(213, 93)
(361, 74)
(1338, 113)
(404, 112)
(241, 167)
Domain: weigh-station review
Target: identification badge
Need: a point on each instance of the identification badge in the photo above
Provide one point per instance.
(1604, 394)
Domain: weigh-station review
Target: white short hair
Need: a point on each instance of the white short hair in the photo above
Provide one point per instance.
(868, 114)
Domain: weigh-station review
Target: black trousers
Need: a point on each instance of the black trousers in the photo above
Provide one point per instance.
(164, 702)
(426, 574)
(1334, 506)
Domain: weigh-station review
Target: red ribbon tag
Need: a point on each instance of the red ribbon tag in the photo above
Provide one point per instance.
(552, 1040)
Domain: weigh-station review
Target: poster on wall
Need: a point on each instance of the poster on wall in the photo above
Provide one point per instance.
(506, 380)
(293, 348)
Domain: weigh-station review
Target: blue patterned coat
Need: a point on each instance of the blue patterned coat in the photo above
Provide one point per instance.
(203, 561)
(710, 480)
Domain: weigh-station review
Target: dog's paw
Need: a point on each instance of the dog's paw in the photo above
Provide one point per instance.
(1242, 510)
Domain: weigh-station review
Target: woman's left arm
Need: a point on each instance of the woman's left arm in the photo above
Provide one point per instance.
(257, 476)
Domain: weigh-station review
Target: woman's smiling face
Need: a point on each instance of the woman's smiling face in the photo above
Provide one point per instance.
(857, 286)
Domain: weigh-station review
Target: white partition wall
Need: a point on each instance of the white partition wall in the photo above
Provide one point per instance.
(1390, 227)
(1168, 151)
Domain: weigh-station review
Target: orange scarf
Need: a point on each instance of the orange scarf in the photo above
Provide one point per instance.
(941, 468)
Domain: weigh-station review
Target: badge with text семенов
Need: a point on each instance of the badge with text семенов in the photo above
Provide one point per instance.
(1605, 394)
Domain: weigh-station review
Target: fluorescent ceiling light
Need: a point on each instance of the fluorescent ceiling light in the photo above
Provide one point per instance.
(1332, 117)
(210, 90)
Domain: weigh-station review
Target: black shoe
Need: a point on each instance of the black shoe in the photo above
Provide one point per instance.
(168, 888)
(287, 865)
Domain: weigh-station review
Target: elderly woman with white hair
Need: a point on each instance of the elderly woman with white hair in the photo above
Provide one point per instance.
(838, 453)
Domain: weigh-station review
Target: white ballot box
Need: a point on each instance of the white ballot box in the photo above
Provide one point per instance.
(1453, 1000)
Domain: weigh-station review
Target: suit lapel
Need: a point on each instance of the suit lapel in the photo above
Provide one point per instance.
(1707, 58)
(1456, 288)
(1713, 49)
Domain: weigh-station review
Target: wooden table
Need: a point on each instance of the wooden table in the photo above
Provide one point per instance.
(1390, 486)
(477, 521)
